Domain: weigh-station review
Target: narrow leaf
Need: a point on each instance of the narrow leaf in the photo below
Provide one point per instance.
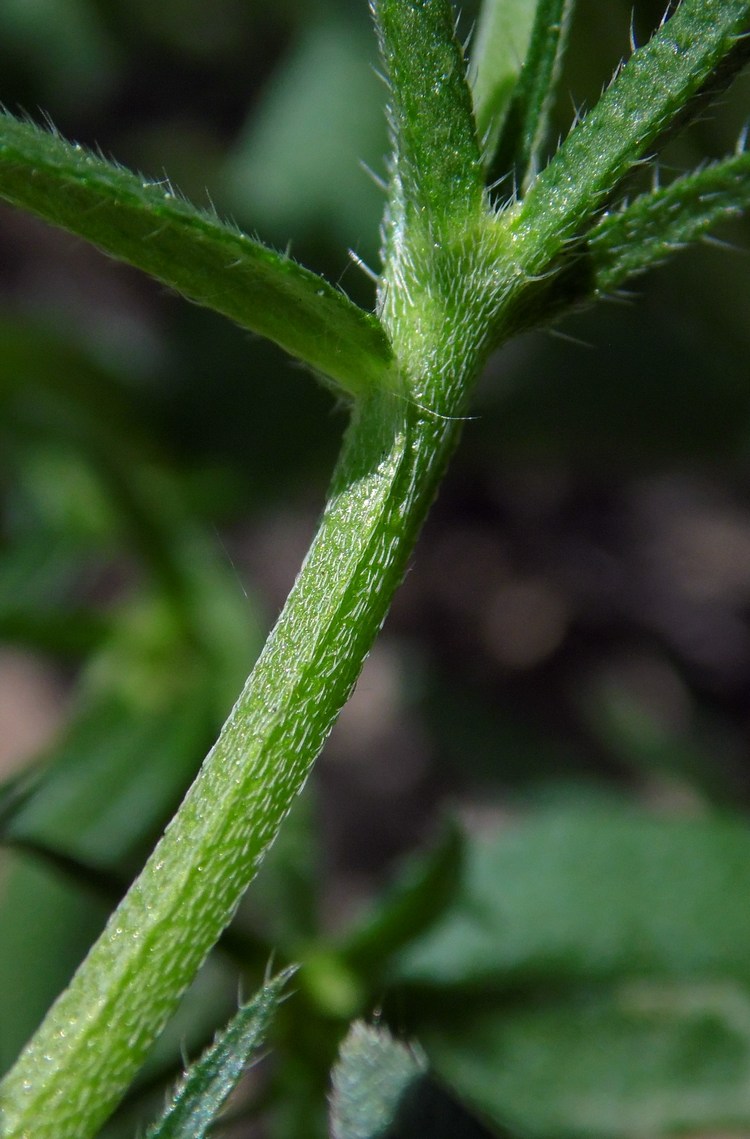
(14, 792)
(694, 54)
(192, 251)
(415, 903)
(526, 124)
(498, 53)
(208, 1082)
(437, 173)
(654, 226)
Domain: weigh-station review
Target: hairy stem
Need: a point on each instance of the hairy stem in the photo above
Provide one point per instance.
(82, 1059)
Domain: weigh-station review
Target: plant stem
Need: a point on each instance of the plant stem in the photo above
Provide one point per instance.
(76, 1068)
(438, 301)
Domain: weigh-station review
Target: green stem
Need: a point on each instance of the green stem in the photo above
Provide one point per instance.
(87, 1051)
(438, 300)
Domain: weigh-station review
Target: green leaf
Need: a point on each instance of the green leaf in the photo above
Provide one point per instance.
(694, 54)
(653, 226)
(497, 56)
(46, 924)
(636, 1059)
(146, 708)
(594, 893)
(382, 1090)
(14, 791)
(113, 777)
(84, 820)
(295, 171)
(284, 900)
(437, 174)
(192, 251)
(373, 1074)
(208, 1082)
(422, 892)
(527, 120)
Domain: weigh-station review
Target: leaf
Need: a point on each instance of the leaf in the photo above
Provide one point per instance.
(693, 55)
(382, 1090)
(526, 123)
(372, 1075)
(192, 251)
(208, 1082)
(594, 893)
(422, 892)
(46, 925)
(110, 783)
(112, 778)
(635, 1059)
(498, 52)
(295, 172)
(653, 226)
(284, 900)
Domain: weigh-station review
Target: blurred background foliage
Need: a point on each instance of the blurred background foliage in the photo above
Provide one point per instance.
(570, 650)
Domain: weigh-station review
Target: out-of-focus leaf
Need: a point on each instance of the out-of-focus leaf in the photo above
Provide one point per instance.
(595, 893)
(46, 924)
(527, 123)
(148, 706)
(54, 384)
(65, 44)
(372, 1076)
(112, 779)
(208, 1082)
(114, 776)
(282, 902)
(497, 56)
(146, 712)
(415, 902)
(296, 169)
(632, 730)
(382, 1090)
(14, 791)
(644, 1058)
